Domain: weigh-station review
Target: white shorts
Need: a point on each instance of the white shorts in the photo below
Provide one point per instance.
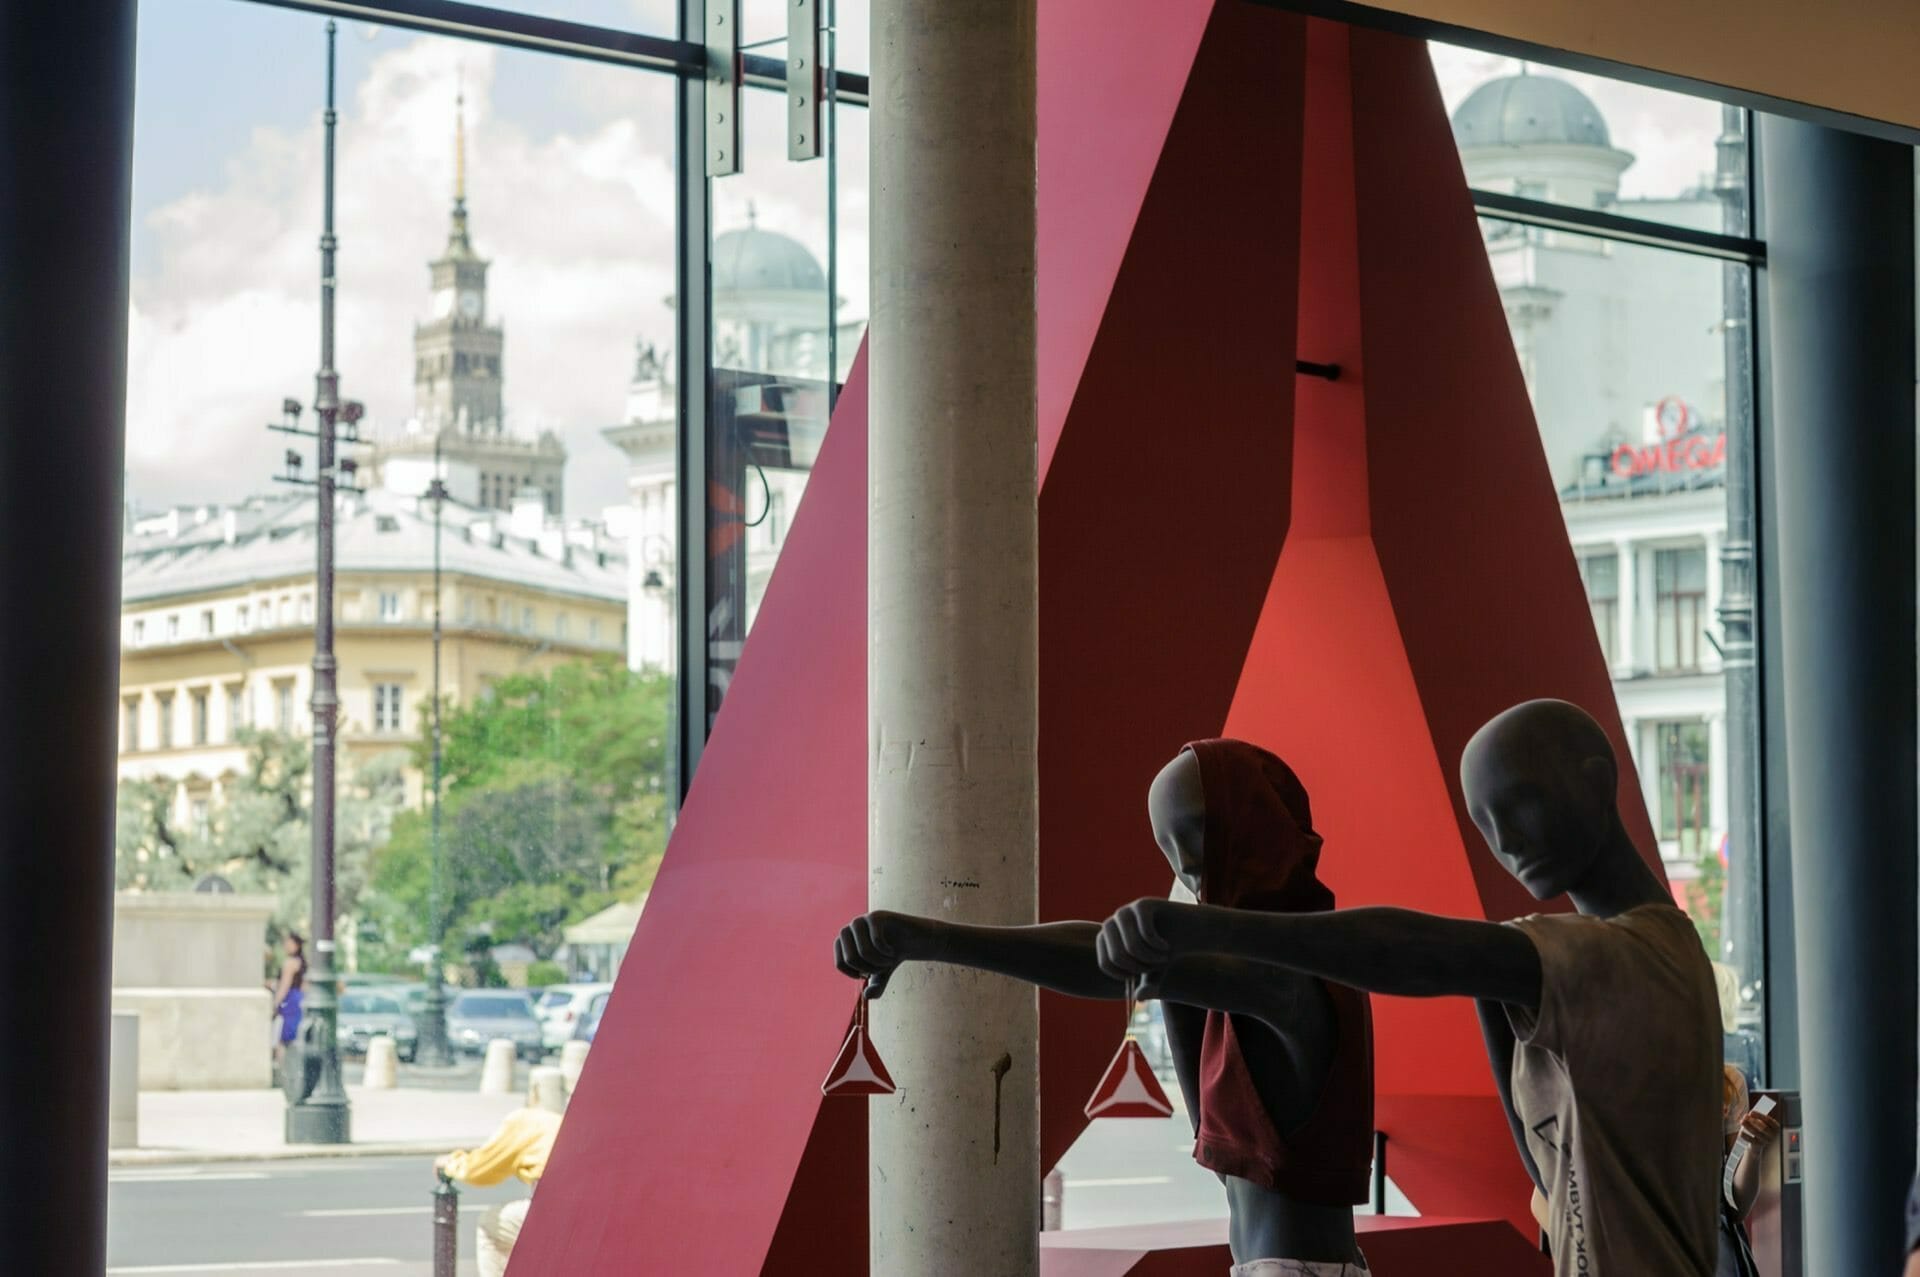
(1299, 1268)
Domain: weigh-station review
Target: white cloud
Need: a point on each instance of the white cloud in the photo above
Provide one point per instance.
(579, 226)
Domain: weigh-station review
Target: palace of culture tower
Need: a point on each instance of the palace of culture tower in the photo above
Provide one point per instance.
(458, 416)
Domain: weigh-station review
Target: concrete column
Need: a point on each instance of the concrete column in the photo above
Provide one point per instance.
(952, 655)
(1839, 226)
(66, 147)
(1627, 614)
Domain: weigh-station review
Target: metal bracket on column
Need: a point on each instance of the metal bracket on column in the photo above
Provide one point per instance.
(805, 80)
(723, 87)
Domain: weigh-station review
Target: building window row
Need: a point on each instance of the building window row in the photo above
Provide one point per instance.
(290, 610)
(1680, 609)
(200, 727)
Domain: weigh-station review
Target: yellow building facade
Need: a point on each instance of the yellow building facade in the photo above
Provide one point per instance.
(218, 612)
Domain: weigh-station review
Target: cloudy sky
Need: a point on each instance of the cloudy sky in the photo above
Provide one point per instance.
(570, 193)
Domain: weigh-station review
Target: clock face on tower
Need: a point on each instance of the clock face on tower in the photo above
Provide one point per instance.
(443, 303)
(470, 304)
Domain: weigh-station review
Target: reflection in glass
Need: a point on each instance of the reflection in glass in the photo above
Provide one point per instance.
(1635, 359)
(1638, 362)
(782, 343)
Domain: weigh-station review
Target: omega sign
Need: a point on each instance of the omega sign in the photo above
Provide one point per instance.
(1676, 451)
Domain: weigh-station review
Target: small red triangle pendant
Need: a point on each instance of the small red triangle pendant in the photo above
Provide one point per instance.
(1128, 1088)
(857, 1070)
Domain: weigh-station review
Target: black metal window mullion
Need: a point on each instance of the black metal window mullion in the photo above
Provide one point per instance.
(1613, 226)
(693, 359)
(516, 31)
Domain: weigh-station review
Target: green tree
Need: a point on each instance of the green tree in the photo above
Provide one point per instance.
(554, 805)
(260, 836)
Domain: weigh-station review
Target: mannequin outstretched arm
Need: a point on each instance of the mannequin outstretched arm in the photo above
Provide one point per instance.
(1393, 951)
(1066, 958)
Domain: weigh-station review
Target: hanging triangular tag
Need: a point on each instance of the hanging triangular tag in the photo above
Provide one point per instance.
(857, 1070)
(1128, 1088)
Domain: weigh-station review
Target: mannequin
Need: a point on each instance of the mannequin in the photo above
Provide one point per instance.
(1271, 1060)
(1602, 1027)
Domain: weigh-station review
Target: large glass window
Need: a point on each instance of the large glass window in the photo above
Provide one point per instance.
(1638, 361)
(506, 222)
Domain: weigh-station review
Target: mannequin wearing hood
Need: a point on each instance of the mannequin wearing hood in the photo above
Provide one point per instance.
(1277, 1073)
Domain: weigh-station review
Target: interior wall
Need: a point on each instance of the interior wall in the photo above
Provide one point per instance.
(1854, 58)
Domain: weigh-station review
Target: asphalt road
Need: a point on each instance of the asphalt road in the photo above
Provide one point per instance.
(346, 1217)
(369, 1217)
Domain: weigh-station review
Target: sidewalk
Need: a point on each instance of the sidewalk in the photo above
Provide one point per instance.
(218, 1126)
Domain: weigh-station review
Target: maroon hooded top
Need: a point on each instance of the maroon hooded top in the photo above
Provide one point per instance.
(1260, 853)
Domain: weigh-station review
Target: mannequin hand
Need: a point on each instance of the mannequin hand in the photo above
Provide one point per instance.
(1140, 939)
(1761, 1129)
(872, 945)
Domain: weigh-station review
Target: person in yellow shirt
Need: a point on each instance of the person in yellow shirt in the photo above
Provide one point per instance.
(519, 1148)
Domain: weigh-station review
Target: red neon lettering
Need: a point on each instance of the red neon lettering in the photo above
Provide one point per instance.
(1694, 452)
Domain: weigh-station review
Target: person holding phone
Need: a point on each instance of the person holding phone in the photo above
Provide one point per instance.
(1747, 1130)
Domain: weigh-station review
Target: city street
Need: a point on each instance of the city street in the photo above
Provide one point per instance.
(358, 1216)
(321, 1218)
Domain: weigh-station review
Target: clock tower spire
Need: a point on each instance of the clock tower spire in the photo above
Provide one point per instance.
(457, 353)
(459, 430)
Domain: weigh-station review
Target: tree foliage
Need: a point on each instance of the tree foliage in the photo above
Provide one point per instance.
(259, 835)
(554, 804)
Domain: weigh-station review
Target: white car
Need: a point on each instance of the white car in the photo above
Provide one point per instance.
(560, 1008)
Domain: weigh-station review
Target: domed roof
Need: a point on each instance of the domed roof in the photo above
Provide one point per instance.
(756, 260)
(1518, 109)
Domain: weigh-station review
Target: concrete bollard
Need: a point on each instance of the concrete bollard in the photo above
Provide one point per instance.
(573, 1058)
(496, 1075)
(548, 1086)
(382, 1072)
(123, 1088)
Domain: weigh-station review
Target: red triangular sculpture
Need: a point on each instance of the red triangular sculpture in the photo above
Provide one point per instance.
(1128, 1088)
(857, 1070)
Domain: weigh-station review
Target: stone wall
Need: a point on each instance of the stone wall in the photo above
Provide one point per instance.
(191, 965)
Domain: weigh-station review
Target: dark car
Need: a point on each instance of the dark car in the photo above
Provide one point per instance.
(366, 1014)
(478, 1016)
(589, 1022)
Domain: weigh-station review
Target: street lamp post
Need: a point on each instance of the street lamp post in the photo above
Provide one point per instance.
(317, 1111)
(432, 1048)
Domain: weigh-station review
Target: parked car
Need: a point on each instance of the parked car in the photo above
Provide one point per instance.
(478, 1016)
(412, 996)
(365, 1014)
(560, 1008)
(589, 1022)
(368, 981)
